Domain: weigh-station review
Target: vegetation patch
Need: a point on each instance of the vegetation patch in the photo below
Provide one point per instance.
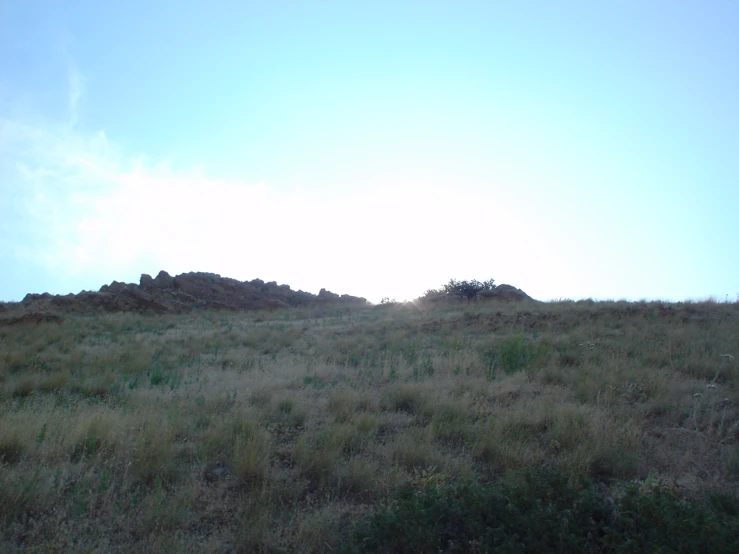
(450, 426)
(544, 511)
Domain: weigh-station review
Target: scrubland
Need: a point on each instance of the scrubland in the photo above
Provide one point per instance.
(534, 427)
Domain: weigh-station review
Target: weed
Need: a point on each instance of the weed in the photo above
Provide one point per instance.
(251, 457)
(24, 388)
(286, 405)
(157, 377)
(343, 404)
(11, 448)
(410, 399)
(314, 463)
(360, 476)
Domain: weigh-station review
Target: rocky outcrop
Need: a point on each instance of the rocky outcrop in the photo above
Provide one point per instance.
(327, 296)
(163, 280)
(352, 299)
(115, 287)
(505, 292)
(185, 292)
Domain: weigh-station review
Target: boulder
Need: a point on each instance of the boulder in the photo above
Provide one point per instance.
(164, 280)
(203, 285)
(327, 296)
(146, 282)
(115, 287)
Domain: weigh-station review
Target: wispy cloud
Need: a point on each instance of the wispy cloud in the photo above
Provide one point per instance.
(76, 84)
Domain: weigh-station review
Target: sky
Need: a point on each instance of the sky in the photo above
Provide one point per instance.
(573, 149)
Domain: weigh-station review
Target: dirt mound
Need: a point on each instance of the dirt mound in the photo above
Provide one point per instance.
(183, 293)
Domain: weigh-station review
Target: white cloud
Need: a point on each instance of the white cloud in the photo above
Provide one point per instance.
(104, 214)
(94, 213)
(99, 213)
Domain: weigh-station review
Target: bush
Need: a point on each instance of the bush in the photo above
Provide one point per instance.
(545, 513)
(468, 289)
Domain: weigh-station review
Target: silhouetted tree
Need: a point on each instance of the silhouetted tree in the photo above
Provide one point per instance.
(468, 289)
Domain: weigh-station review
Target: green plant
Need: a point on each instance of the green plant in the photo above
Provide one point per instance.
(468, 289)
(543, 511)
(251, 457)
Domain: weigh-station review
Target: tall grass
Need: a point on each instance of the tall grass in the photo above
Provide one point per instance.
(492, 426)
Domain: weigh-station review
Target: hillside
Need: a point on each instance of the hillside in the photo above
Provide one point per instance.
(522, 427)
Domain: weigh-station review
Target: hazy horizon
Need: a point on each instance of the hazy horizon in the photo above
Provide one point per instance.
(573, 151)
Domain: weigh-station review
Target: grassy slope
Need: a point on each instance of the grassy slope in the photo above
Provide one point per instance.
(291, 431)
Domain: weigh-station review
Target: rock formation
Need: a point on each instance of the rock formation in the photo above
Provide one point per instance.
(183, 293)
(505, 292)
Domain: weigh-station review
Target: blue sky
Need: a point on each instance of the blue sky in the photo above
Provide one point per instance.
(572, 149)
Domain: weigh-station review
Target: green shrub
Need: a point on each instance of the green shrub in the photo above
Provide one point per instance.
(659, 521)
(544, 512)
(514, 354)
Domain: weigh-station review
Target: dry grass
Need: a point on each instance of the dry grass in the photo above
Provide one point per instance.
(273, 432)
